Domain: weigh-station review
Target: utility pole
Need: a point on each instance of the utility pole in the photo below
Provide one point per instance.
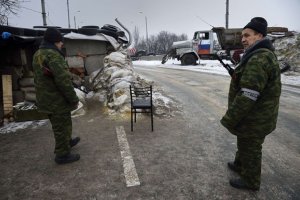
(147, 41)
(74, 22)
(68, 14)
(227, 13)
(147, 34)
(44, 13)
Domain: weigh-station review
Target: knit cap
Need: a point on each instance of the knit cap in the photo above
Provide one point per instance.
(53, 35)
(258, 24)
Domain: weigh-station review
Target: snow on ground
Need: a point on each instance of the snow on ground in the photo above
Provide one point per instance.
(14, 126)
(207, 66)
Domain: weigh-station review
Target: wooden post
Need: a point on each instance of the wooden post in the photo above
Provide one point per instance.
(7, 94)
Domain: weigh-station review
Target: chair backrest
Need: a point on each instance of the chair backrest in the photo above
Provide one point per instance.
(137, 92)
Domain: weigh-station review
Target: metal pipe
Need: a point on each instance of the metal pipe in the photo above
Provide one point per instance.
(129, 34)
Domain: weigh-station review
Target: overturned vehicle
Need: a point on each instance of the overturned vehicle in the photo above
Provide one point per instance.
(85, 51)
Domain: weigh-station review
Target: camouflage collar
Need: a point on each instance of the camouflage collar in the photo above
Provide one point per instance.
(262, 45)
(48, 45)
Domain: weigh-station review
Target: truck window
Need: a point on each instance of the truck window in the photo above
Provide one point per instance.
(201, 35)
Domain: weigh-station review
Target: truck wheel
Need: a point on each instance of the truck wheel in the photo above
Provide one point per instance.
(188, 59)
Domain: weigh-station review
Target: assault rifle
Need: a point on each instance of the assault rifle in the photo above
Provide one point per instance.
(284, 66)
(226, 66)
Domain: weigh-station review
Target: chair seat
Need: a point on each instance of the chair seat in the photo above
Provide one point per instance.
(141, 103)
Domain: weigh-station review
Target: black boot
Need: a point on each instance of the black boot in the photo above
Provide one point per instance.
(69, 158)
(234, 167)
(240, 184)
(74, 141)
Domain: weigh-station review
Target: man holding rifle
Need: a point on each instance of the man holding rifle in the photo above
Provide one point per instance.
(253, 103)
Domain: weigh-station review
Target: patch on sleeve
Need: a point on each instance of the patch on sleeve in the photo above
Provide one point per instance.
(251, 94)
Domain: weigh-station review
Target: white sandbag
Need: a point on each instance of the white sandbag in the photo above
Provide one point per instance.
(118, 101)
(30, 96)
(120, 73)
(79, 111)
(81, 95)
(26, 82)
(28, 89)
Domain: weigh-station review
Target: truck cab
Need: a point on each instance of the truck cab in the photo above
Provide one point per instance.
(205, 43)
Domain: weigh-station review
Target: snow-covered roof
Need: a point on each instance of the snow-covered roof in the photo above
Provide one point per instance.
(98, 36)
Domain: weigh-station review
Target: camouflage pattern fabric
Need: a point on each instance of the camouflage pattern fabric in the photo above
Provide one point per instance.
(55, 94)
(54, 91)
(248, 157)
(262, 74)
(253, 104)
(62, 129)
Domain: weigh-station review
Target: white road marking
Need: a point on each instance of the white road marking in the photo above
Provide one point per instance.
(130, 173)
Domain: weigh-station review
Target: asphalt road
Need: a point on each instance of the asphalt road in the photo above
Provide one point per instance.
(184, 158)
(204, 99)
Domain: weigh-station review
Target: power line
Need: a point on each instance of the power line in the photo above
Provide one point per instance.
(31, 10)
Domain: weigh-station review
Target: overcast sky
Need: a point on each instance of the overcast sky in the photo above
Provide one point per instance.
(174, 16)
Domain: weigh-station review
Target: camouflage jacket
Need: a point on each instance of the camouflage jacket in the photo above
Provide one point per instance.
(254, 93)
(54, 89)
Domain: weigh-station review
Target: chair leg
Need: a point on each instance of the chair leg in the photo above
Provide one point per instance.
(134, 115)
(151, 120)
(131, 120)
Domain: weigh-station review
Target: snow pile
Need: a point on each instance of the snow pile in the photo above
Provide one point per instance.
(164, 106)
(288, 49)
(80, 109)
(14, 126)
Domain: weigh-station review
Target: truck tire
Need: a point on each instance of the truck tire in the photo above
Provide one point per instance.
(188, 59)
(88, 31)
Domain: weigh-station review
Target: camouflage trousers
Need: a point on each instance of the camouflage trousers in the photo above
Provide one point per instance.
(248, 159)
(62, 129)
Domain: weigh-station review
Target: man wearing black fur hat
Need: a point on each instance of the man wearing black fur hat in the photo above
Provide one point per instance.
(55, 94)
(253, 103)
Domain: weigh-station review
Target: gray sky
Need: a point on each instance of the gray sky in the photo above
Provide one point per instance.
(162, 15)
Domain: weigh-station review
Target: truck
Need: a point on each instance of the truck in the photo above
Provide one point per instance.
(217, 43)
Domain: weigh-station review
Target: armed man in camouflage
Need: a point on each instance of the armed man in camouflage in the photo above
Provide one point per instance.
(55, 93)
(253, 103)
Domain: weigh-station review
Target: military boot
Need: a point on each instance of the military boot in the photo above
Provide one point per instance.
(69, 158)
(234, 167)
(74, 141)
(241, 184)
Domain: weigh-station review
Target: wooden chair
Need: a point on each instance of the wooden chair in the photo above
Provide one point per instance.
(141, 102)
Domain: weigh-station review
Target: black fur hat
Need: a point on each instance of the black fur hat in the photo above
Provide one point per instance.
(258, 24)
(53, 35)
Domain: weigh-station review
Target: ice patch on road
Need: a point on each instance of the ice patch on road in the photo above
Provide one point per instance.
(15, 126)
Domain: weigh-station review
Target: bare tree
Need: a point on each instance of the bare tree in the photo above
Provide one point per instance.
(161, 43)
(8, 7)
(153, 44)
